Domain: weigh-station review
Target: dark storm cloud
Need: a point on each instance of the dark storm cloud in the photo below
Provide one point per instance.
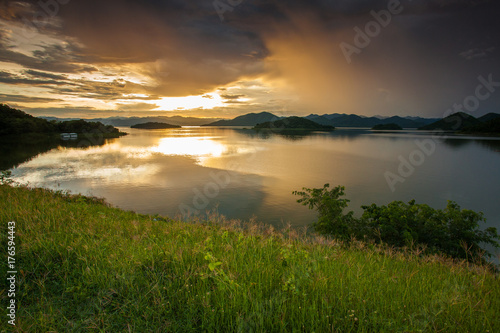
(106, 91)
(137, 107)
(429, 56)
(6, 77)
(38, 74)
(15, 10)
(231, 97)
(51, 58)
(65, 111)
(26, 99)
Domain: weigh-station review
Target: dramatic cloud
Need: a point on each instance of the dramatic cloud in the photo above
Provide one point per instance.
(137, 107)
(368, 57)
(26, 99)
(11, 78)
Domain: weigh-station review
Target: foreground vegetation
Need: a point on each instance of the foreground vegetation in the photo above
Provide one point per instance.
(452, 231)
(84, 266)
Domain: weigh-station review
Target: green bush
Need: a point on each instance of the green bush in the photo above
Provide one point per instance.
(452, 231)
(330, 207)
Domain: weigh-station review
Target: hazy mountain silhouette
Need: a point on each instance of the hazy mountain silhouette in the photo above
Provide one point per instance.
(250, 119)
(127, 122)
(454, 122)
(489, 116)
(294, 123)
(352, 120)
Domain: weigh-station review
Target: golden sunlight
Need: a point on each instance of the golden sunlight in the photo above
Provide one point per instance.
(207, 101)
(190, 146)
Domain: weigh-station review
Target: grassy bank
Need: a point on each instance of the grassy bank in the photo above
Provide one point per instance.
(84, 266)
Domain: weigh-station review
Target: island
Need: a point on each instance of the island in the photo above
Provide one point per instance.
(454, 122)
(488, 128)
(295, 124)
(154, 125)
(463, 123)
(387, 127)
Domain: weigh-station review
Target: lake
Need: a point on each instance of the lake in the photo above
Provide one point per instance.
(242, 174)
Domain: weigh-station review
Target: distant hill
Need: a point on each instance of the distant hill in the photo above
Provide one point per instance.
(387, 127)
(17, 122)
(153, 125)
(352, 120)
(250, 119)
(333, 115)
(455, 122)
(489, 116)
(488, 127)
(13, 121)
(407, 123)
(344, 120)
(127, 122)
(294, 123)
(323, 120)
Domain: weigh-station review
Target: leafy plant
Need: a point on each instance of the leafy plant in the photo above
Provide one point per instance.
(5, 177)
(452, 231)
(330, 207)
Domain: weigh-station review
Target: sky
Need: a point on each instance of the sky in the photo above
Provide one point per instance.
(224, 58)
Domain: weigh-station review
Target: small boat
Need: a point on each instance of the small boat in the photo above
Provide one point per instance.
(69, 136)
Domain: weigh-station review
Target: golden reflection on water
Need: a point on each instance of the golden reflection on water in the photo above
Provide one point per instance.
(190, 146)
(156, 171)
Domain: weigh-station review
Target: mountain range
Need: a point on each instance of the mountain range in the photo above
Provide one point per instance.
(130, 121)
(334, 119)
(461, 121)
(294, 123)
(352, 120)
(252, 119)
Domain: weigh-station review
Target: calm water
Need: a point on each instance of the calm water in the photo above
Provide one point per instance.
(248, 174)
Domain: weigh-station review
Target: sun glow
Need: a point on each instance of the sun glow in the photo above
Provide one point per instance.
(207, 101)
(190, 146)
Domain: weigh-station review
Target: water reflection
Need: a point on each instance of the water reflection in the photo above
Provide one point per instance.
(255, 173)
(296, 135)
(190, 146)
(493, 145)
(16, 150)
(457, 143)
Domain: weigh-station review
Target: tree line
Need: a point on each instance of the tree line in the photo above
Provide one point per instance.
(15, 122)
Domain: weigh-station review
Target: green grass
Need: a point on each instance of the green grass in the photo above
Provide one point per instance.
(86, 267)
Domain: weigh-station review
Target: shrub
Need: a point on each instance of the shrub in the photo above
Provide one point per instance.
(452, 231)
(330, 207)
